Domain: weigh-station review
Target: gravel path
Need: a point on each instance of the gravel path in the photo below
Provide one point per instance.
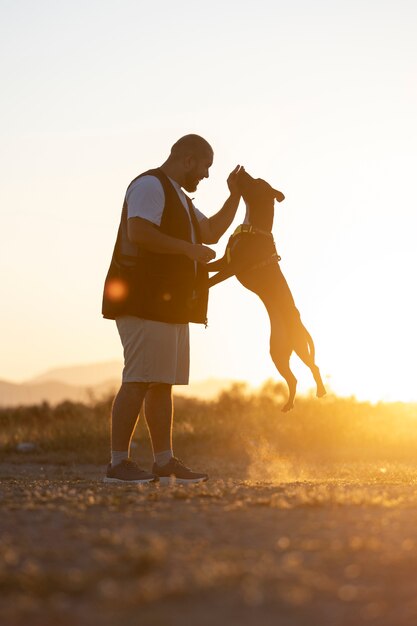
(316, 552)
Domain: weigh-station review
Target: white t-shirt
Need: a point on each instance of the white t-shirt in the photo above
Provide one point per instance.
(146, 199)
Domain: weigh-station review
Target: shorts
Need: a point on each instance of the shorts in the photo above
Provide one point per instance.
(154, 352)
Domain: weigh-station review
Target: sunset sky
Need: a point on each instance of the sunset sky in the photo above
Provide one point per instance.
(319, 98)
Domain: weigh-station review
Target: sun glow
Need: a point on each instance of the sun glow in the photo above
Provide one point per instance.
(326, 131)
(362, 323)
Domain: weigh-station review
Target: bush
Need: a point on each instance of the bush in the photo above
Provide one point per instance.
(236, 423)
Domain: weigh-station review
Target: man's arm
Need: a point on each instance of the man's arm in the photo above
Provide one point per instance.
(148, 236)
(214, 227)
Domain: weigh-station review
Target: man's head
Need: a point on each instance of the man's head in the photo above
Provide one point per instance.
(189, 162)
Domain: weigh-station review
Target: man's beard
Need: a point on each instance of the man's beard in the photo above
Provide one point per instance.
(191, 180)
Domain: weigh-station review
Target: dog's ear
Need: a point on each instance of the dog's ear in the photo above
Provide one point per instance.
(279, 196)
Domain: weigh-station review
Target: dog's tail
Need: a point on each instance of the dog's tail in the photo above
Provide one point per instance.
(311, 346)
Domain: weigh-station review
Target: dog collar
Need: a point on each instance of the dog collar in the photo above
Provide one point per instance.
(248, 228)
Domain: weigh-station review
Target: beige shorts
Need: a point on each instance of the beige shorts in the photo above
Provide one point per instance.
(154, 352)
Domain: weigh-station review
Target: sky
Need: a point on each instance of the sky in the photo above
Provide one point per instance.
(318, 98)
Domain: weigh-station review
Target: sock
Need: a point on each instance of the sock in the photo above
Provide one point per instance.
(162, 458)
(118, 456)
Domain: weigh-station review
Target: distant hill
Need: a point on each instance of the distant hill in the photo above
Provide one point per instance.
(80, 383)
(14, 394)
(82, 375)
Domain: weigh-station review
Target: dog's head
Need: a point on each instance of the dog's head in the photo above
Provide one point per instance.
(259, 198)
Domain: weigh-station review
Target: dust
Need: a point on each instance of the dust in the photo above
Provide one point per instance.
(268, 466)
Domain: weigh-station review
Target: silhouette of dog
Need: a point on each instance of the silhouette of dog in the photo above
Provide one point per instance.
(252, 257)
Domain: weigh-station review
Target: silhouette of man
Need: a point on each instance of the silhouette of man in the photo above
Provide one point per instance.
(156, 285)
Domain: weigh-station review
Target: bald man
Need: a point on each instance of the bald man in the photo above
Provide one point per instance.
(156, 285)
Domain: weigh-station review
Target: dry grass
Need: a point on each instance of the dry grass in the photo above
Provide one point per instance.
(238, 426)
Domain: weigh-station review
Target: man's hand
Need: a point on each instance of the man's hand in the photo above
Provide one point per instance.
(232, 182)
(150, 238)
(200, 253)
(214, 227)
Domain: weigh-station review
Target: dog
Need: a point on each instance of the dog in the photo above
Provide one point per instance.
(252, 257)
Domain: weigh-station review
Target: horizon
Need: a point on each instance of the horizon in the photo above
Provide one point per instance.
(322, 106)
(220, 383)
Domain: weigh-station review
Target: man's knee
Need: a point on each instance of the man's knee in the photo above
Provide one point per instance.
(160, 387)
(134, 388)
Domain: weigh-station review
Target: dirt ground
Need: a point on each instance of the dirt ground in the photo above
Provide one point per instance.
(314, 551)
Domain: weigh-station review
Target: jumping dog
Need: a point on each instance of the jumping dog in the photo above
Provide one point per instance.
(252, 257)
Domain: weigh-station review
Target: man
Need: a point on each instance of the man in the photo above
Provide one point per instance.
(156, 285)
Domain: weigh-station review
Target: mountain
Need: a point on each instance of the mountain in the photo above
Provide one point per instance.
(13, 394)
(80, 383)
(82, 375)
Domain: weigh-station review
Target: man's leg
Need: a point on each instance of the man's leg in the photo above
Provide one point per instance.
(159, 417)
(125, 414)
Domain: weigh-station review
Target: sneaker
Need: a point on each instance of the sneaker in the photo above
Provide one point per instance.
(128, 472)
(176, 472)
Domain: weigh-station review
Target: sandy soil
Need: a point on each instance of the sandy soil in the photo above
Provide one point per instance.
(314, 551)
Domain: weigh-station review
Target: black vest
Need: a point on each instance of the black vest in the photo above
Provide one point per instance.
(161, 287)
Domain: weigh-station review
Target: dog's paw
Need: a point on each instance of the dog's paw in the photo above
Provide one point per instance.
(321, 392)
(287, 407)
